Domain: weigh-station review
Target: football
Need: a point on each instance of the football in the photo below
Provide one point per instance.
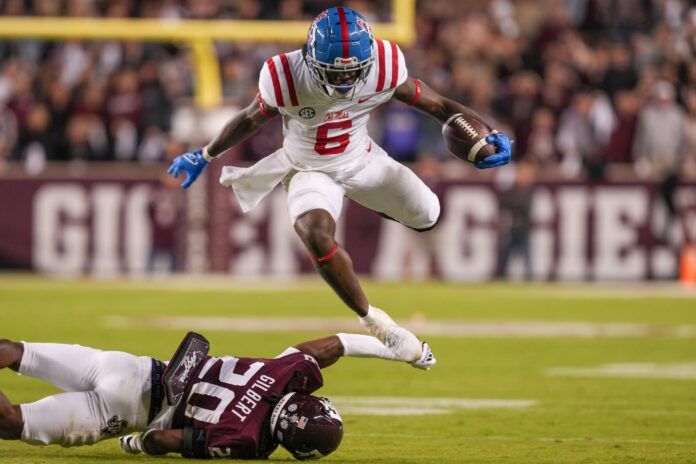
(465, 137)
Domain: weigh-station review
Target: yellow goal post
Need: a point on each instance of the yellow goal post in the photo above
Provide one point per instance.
(199, 35)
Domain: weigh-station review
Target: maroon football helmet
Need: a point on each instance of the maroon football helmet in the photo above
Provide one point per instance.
(307, 426)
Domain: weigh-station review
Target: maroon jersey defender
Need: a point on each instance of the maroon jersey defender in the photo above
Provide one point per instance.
(230, 400)
(228, 407)
(245, 407)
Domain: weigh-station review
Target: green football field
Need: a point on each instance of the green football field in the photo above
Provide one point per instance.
(525, 374)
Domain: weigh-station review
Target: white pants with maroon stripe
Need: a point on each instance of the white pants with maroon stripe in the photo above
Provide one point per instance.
(106, 394)
(383, 185)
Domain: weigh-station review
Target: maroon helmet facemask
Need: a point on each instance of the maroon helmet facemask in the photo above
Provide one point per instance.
(307, 426)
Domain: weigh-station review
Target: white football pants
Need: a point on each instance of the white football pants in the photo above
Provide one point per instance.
(384, 185)
(107, 394)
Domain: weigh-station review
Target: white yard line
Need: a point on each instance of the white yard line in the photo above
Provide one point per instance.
(418, 406)
(184, 283)
(610, 290)
(617, 440)
(311, 283)
(439, 328)
(525, 439)
(376, 411)
(658, 412)
(622, 409)
(676, 371)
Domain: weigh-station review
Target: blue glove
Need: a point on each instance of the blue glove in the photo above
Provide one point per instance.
(191, 163)
(503, 152)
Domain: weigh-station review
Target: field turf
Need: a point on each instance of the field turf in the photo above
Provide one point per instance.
(620, 388)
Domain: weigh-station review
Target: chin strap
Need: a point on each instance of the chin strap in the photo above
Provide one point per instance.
(340, 96)
(326, 257)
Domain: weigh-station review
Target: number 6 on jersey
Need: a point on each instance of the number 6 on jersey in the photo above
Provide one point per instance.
(323, 138)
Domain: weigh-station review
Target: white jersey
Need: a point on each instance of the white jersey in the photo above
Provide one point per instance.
(321, 133)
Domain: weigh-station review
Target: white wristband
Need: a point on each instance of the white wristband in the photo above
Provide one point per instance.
(375, 317)
(206, 155)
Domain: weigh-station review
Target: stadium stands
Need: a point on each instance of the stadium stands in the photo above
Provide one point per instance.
(578, 87)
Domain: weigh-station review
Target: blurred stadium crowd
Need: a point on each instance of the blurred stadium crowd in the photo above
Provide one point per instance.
(581, 84)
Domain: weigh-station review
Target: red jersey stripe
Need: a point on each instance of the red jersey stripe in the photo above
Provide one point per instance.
(276, 82)
(395, 65)
(344, 32)
(380, 65)
(288, 79)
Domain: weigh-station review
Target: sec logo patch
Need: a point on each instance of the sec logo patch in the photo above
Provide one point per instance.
(307, 112)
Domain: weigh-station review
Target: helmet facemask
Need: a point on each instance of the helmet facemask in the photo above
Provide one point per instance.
(327, 75)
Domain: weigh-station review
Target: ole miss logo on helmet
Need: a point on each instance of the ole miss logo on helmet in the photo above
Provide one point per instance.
(313, 27)
(363, 24)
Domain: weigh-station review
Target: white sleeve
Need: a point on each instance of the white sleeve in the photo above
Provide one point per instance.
(365, 346)
(391, 66)
(266, 87)
(402, 71)
(288, 351)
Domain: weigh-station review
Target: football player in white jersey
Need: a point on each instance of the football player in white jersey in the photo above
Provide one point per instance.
(324, 94)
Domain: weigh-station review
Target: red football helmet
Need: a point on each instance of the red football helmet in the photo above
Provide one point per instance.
(307, 426)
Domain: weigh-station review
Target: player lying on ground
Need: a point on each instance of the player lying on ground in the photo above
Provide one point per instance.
(230, 407)
(325, 93)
